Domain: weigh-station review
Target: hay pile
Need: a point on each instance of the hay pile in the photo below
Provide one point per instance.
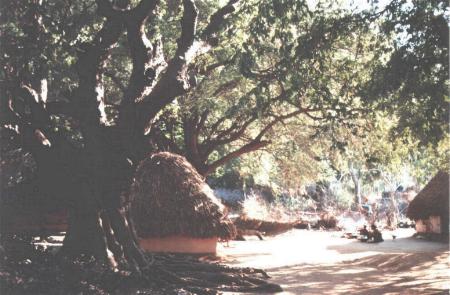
(169, 198)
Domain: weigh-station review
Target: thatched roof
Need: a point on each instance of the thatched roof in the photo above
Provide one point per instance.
(171, 198)
(432, 199)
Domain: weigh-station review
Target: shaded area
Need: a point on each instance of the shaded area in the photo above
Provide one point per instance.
(42, 272)
(413, 273)
(390, 246)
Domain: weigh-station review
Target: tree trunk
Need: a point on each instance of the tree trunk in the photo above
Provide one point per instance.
(107, 237)
(99, 223)
(393, 211)
(357, 184)
(85, 234)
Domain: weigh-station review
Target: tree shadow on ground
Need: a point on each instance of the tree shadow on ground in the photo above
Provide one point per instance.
(411, 273)
(399, 245)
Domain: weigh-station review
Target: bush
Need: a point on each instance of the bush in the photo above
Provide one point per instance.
(283, 209)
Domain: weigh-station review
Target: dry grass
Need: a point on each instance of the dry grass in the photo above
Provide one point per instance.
(171, 198)
(255, 207)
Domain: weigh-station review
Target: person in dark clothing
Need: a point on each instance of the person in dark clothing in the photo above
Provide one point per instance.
(364, 234)
(376, 236)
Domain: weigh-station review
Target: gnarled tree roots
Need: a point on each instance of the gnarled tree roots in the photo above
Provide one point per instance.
(169, 274)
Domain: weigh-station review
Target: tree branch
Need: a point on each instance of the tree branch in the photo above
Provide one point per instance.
(249, 147)
(253, 145)
(141, 49)
(89, 96)
(188, 27)
(217, 20)
(175, 80)
(227, 86)
(141, 12)
(277, 120)
(202, 120)
(106, 9)
(232, 136)
(31, 124)
(209, 68)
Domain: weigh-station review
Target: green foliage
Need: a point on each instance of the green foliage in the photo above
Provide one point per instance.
(66, 24)
(413, 83)
(373, 85)
(335, 62)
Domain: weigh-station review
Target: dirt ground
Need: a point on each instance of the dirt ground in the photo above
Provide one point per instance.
(314, 262)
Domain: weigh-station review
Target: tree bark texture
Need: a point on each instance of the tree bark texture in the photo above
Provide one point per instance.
(357, 183)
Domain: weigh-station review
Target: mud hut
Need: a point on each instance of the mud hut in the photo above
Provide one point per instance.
(174, 210)
(430, 208)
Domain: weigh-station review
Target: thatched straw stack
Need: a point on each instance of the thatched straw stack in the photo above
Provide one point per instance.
(171, 199)
(432, 200)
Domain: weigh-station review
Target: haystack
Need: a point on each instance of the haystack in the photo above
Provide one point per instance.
(174, 210)
(430, 208)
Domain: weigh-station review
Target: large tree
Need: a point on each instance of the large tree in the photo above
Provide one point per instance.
(94, 175)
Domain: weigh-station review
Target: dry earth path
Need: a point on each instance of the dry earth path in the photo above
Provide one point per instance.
(313, 262)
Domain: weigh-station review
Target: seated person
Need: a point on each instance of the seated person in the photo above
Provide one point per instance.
(364, 234)
(376, 234)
